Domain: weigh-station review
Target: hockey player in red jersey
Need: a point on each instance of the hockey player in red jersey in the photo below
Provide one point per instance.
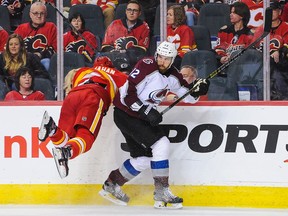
(135, 114)
(92, 92)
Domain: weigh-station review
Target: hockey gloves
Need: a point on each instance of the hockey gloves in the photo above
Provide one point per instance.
(200, 87)
(150, 114)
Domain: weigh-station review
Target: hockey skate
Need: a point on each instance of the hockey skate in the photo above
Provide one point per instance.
(47, 127)
(113, 193)
(165, 199)
(61, 156)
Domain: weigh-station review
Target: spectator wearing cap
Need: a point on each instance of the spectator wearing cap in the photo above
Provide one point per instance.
(278, 32)
(278, 52)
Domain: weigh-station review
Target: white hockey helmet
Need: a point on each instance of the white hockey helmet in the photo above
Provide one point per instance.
(167, 49)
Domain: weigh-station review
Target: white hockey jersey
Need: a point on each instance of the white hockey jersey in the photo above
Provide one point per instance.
(147, 84)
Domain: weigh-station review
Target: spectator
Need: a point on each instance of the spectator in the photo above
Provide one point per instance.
(190, 74)
(179, 33)
(24, 82)
(108, 8)
(256, 12)
(40, 37)
(127, 40)
(278, 51)
(15, 8)
(80, 40)
(235, 37)
(16, 56)
(149, 10)
(3, 38)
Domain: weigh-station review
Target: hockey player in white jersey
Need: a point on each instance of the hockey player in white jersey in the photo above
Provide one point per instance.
(135, 114)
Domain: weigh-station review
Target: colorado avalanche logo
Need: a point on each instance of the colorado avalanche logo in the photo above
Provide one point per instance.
(36, 43)
(157, 96)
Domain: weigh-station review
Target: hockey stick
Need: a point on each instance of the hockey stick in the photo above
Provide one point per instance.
(267, 27)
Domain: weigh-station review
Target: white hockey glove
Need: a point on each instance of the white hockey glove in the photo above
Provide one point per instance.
(200, 87)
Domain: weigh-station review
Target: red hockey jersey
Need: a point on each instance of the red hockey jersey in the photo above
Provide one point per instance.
(183, 37)
(42, 39)
(109, 77)
(278, 36)
(15, 95)
(138, 36)
(231, 41)
(75, 43)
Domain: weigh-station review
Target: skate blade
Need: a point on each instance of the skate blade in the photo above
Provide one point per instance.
(106, 195)
(42, 129)
(164, 205)
(62, 169)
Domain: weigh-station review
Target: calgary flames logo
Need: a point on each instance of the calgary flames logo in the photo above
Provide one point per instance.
(77, 46)
(36, 43)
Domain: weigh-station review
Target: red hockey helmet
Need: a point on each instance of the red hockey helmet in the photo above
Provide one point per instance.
(103, 61)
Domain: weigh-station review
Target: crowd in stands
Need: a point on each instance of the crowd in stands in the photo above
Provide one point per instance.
(133, 35)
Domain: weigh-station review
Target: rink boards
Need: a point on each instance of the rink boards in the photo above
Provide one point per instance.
(222, 154)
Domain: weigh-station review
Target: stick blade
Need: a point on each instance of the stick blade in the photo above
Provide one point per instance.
(268, 19)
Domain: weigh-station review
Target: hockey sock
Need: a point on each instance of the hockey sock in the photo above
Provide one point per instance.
(59, 138)
(160, 182)
(82, 142)
(116, 177)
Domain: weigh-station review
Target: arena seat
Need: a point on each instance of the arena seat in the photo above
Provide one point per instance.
(93, 17)
(5, 18)
(45, 86)
(202, 37)
(214, 16)
(247, 69)
(203, 60)
(72, 60)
